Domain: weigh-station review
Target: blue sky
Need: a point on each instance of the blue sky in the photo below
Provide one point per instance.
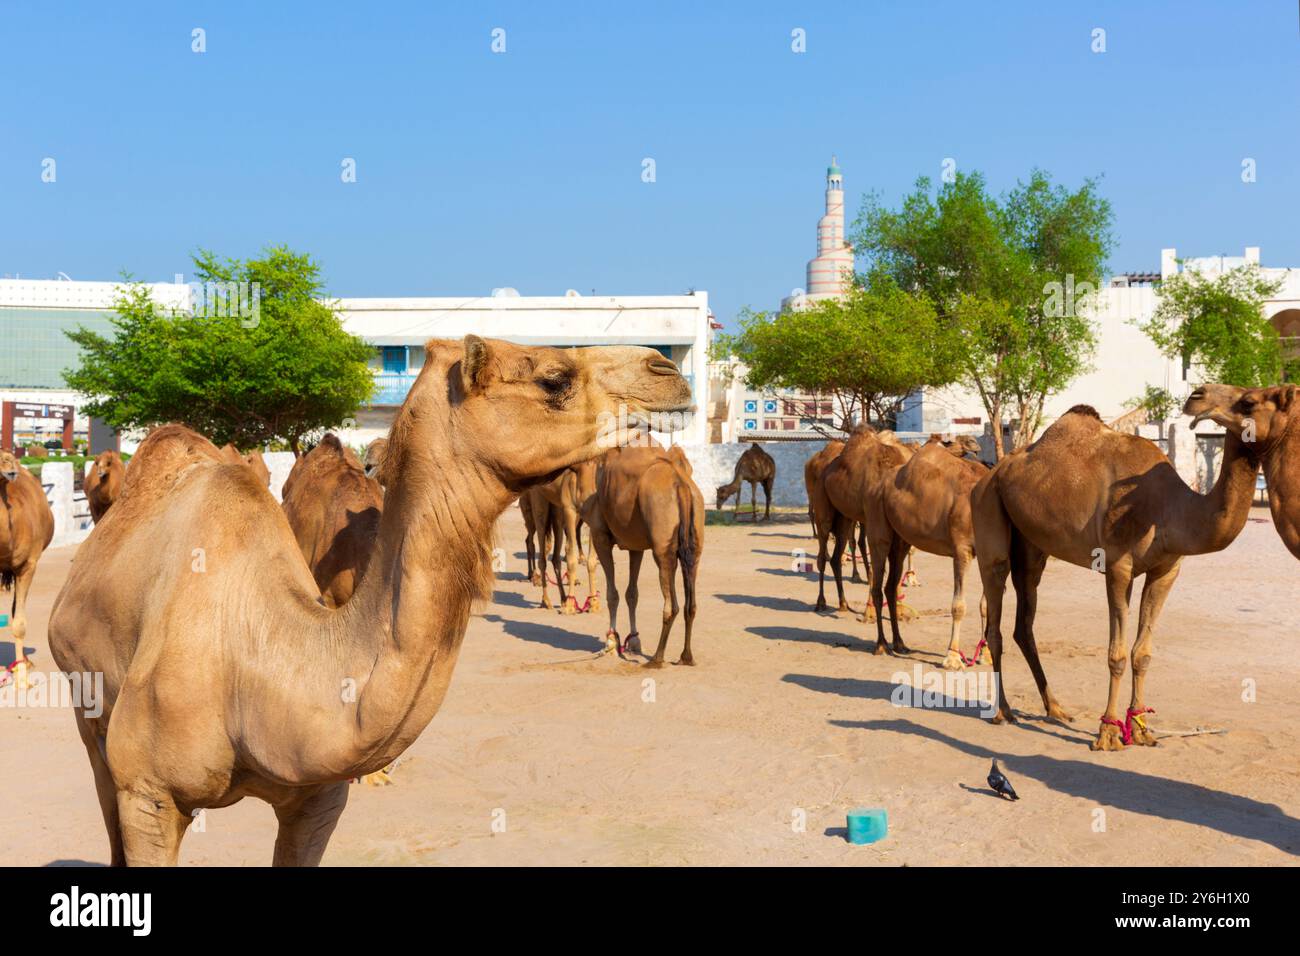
(477, 170)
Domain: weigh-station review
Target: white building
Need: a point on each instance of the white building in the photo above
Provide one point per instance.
(1125, 361)
(35, 314)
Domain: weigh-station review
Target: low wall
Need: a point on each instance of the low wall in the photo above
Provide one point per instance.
(714, 465)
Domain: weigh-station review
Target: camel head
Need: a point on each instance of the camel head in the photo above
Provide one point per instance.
(374, 459)
(963, 445)
(526, 412)
(104, 463)
(9, 466)
(1252, 414)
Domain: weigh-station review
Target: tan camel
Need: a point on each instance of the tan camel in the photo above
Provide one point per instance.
(26, 529)
(1111, 502)
(646, 500)
(927, 504)
(224, 677)
(757, 467)
(820, 515)
(1266, 417)
(544, 524)
(103, 483)
(849, 492)
(333, 509)
(567, 495)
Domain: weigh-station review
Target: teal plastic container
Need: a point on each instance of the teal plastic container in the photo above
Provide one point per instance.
(4, 620)
(867, 826)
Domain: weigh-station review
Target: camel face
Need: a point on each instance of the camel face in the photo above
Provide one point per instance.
(530, 411)
(9, 466)
(374, 459)
(104, 463)
(1253, 414)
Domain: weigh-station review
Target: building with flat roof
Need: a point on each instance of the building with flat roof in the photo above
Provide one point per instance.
(36, 314)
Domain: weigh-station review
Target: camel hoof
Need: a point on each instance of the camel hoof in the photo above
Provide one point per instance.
(593, 603)
(985, 657)
(821, 605)
(1056, 713)
(570, 606)
(535, 579)
(881, 650)
(685, 660)
(633, 645)
(612, 643)
(654, 665)
(1143, 737)
(901, 649)
(953, 662)
(1108, 738)
(1004, 716)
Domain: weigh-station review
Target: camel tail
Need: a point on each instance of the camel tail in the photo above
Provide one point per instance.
(687, 546)
(6, 580)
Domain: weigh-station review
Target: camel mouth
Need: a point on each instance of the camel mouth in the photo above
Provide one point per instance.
(9, 475)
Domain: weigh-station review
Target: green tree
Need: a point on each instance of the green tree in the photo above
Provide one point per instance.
(259, 359)
(1012, 275)
(1159, 403)
(868, 351)
(1218, 323)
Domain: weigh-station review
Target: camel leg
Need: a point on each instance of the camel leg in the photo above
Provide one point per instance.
(633, 594)
(603, 544)
(910, 579)
(667, 562)
(837, 558)
(896, 552)
(306, 824)
(152, 826)
(753, 501)
(960, 561)
(104, 788)
(823, 532)
(879, 550)
(767, 500)
(1154, 591)
(689, 574)
(1027, 567)
(1119, 589)
(557, 563)
(854, 551)
(543, 529)
(569, 605)
(593, 596)
(993, 551)
(18, 624)
(532, 555)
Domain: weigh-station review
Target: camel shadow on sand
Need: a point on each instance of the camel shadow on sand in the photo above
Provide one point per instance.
(877, 690)
(556, 637)
(1127, 790)
(802, 635)
(511, 599)
(771, 603)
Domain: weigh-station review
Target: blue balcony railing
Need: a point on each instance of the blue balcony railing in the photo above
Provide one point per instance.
(391, 387)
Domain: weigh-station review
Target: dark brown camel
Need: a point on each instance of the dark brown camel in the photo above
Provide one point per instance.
(756, 467)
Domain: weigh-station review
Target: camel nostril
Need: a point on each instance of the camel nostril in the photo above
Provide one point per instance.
(662, 366)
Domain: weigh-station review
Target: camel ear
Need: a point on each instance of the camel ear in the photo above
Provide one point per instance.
(473, 367)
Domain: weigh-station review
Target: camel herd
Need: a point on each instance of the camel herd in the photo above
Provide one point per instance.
(250, 648)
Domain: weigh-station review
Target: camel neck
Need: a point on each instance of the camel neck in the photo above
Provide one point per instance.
(432, 559)
(1212, 521)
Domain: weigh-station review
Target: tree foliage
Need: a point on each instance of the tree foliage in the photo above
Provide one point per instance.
(1218, 324)
(1011, 275)
(868, 351)
(277, 374)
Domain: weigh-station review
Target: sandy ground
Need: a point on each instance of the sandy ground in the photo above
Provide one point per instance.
(785, 719)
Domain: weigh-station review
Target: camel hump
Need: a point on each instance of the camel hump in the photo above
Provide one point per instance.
(167, 451)
(1086, 410)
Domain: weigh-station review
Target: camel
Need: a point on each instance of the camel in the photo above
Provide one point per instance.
(103, 483)
(26, 529)
(756, 467)
(374, 460)
(543, 523)
(224, 676)
(1111, 502)
(821, 520)
(564, 498)
(927, 505)
(333, 509)
(1271, 414)
(646, 500)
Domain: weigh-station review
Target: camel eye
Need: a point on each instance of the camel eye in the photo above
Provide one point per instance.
(555, 383)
